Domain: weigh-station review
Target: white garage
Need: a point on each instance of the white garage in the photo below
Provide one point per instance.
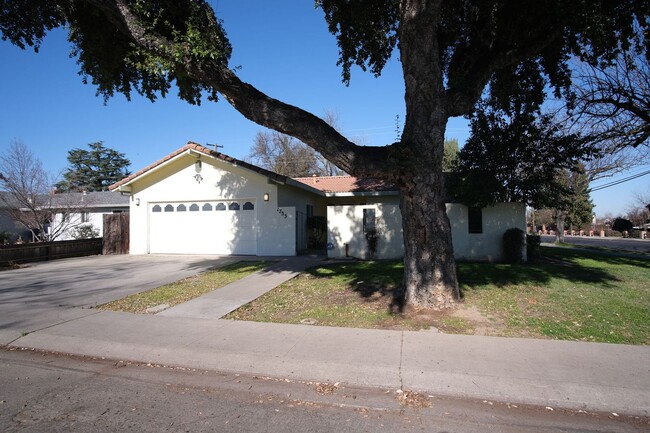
(198, 201)
(212, 227)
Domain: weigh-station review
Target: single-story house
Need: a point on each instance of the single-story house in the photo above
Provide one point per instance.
(199, 201)
(62, 212)
(75, 209)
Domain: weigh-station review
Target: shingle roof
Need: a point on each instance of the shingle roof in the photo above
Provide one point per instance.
(206, 151)
(340, 184)
(93, 199)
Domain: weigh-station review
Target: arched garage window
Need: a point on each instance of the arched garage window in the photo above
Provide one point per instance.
(207, 207)
(181, 208)
(220, 206)
(234, 206)
(169, 208)
(156, 208)
(249, 206)
(194, 207)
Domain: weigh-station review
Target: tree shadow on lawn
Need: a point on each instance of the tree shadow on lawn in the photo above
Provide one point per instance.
(480, 276)
(377, 280)
(608, 257)
(372, 280)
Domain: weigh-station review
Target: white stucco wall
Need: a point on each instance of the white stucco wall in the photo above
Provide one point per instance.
(486, 246)
(345, 227)
(95, 218)
(176, 182)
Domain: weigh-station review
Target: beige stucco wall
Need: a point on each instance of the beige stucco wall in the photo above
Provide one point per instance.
(176, 182)
(345, 226)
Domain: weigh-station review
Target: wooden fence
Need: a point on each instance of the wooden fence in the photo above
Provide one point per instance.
(34, 252)
(116, 234)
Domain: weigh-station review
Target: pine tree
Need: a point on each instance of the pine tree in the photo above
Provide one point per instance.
(93, 170)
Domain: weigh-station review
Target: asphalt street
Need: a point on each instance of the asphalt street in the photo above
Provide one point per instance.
(41, 392)
(634, 245)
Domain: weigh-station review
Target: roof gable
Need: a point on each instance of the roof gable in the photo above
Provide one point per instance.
(194, 147)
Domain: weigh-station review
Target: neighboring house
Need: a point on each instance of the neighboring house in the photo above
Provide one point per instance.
(198, 201)
(65, 212)
(75, 209)
(7, 223)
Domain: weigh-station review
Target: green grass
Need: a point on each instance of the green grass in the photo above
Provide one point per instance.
(572, 294)
(185, 289)
(577, 295)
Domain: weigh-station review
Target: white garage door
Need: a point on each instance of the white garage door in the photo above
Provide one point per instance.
(207, 227)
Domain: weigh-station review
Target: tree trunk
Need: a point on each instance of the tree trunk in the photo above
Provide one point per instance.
(429, 265)
(559, 222)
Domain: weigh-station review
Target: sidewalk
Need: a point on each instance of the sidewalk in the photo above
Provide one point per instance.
(558, 374)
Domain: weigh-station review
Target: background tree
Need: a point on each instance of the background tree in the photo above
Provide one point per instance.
(510, 159)
(572, 203)
(449, 51)
(611, 99)
(639, 210)
(450, 154)
(285, 155)
(94, 169)
(27, 194)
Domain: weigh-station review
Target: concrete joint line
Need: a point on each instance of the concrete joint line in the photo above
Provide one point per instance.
(49, 326)
(401, 357)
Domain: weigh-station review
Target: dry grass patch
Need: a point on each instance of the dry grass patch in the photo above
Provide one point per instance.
(186, 289)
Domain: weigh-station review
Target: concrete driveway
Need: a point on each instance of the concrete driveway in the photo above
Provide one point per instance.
(43, 294)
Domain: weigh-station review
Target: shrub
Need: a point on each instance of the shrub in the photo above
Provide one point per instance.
(533, 250)
(5, 237)
(86, 231)
(513, 245)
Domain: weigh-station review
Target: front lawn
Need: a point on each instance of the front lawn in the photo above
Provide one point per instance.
(570, 295)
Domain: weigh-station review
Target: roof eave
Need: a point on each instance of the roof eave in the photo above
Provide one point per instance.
(362, 194)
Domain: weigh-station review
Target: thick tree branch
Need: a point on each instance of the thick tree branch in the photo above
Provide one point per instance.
(250, 102)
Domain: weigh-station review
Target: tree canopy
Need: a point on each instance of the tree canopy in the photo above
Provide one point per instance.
(449, 51)
(94, 169)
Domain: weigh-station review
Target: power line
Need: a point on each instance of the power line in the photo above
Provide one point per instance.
(617, 182)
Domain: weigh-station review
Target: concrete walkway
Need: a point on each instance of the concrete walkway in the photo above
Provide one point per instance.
(218, 303)
(558, 374)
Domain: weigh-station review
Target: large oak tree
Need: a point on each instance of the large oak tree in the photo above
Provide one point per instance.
(449, 51)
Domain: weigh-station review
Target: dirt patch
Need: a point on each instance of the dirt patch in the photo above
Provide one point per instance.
(481, 324)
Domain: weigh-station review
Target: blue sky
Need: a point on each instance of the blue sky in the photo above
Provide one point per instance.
(283, 48)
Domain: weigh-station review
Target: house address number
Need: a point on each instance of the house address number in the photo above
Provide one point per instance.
(281, 212)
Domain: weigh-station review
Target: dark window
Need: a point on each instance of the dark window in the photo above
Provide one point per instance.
(368, 220)
(310, 211)
(475, 220)
(248, 206)
(156, 208)
(194, 207)
(207, 206)
(121, 211)
(169, 208)
(234, 206)
(85, 217)
(181, 208)
(220, 206)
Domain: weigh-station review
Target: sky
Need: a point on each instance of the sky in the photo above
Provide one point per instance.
(283, 48)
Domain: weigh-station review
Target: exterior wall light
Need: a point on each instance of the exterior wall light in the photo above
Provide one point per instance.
(266, 196)
(137, 202)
